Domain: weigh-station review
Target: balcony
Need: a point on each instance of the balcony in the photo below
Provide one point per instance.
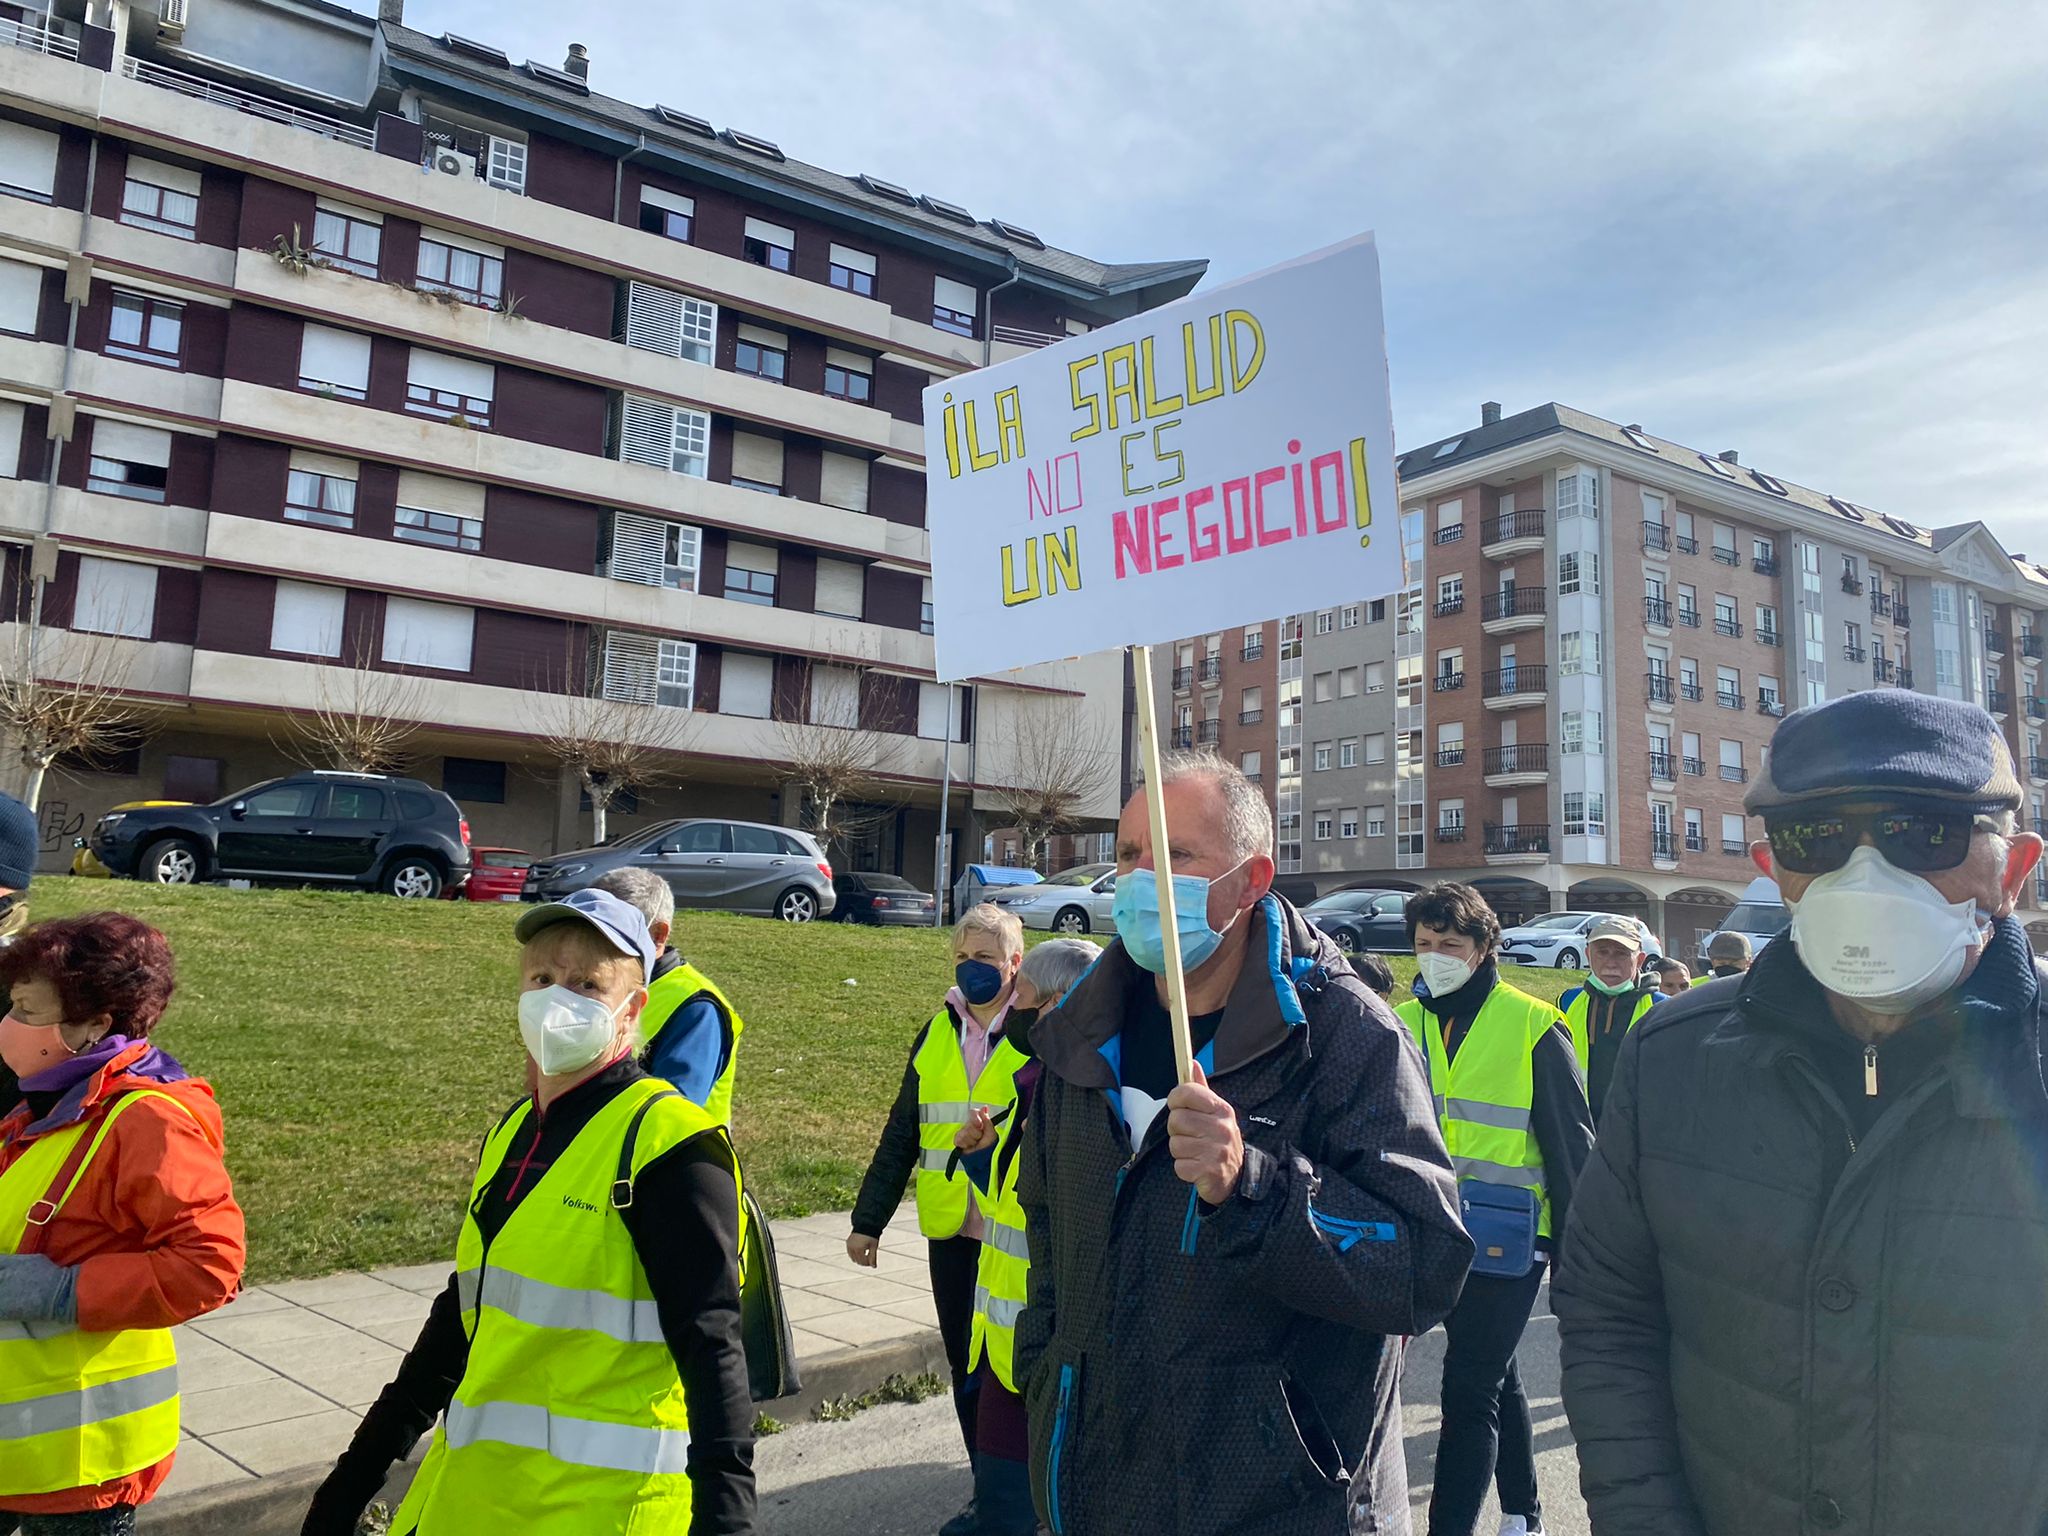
(1905, 677)
(1768, 637)
(1901, 614)
(1734, 773)
(1513, 533)
(2037, 767)
(1446, 606)
(1657, 613)
(1250, 716)
(1513, 687)
(1663, 845)
(1880, 605)
(1764, 565)
(1994, 642)
(37, 38)
(2036, 707)
(2030, 645)
(1450, 757)
(1770, 704)
(1695, 841)
(1209, 732)
(1853, 653)
(1513, 608)
(1450, 535)
(1723, 625)
(1212, 669)
(1852, 584)
(1690, 690)
(1662, 689)
(1688, 618)
(1882, 669)
(1998, 701)
(1724, 555)
(1695, 767)
(1734, 846)
(242, 101)
(1446, 682)
(1252, 652)
(1451, 834)
(1656, 536)
(1686, 544)
(1183, 679)
(1530, 844)
(1663, 767)
(1728, 698)
(1183, 736)
(1526, 763)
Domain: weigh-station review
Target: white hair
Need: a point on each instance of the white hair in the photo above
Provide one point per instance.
(642, 890)
(1247, 819)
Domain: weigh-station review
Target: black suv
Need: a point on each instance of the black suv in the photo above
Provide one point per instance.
(362, 829)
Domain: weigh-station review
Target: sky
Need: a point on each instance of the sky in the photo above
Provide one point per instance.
(1816, 233)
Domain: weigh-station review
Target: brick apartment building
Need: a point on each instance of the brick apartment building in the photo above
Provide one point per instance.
(326, 343)
(1600, 632)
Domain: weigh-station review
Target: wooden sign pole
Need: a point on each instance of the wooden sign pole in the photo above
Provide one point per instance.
(1162, 859)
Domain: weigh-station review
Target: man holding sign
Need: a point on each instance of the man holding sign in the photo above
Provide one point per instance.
(1216, 1266)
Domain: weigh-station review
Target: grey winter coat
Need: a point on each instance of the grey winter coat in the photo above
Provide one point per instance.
(1199, 1371)
(1789, 1310)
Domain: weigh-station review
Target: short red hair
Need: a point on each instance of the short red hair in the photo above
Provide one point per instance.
(101, 962)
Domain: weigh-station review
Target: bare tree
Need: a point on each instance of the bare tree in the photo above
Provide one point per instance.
(627, 741)
(834, 767)
(65, 694)
(362, 720)
(1060, 760)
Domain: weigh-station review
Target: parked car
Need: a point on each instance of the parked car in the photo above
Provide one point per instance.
(1362, 920)
(731, 866)
(363, 829)
(1760, 917)
(1076, 900)
(889, 901)
(497, 874)
(85, 863)
(1559, 939)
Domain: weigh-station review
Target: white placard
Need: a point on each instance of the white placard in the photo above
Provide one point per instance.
(1222, 460)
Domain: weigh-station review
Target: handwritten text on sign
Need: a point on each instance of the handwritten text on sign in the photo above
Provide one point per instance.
(1214, 462)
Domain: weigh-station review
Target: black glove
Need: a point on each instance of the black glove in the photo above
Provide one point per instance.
(339, 1503)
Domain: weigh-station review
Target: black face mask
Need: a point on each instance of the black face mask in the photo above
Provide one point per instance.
(1017, 1028)
(1727, 970)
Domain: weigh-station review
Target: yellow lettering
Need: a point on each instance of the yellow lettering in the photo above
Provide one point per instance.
(952, 424)
(1089, 401)
(1163, 454)
(1197, 394)
(1361, 489)
(1126, 387)
(975, 455)
(1010, 423)
(1062, 559)
(1012, 593)
(1124, 450)
(1154, 406)
(1241, 372)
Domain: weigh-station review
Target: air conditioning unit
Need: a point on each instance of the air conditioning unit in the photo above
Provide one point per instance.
(453, 162)
(170, 20)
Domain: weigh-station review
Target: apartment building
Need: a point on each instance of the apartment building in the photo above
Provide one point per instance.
(330, 346)
(1601, 630)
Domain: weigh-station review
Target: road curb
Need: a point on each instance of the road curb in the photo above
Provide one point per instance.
(276, 1506)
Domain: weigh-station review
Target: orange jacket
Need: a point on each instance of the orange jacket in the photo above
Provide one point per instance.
(153, 1229)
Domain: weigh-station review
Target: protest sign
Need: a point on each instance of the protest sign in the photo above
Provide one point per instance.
(1222, 460)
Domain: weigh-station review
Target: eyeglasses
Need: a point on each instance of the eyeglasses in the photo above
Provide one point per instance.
(1915, 841)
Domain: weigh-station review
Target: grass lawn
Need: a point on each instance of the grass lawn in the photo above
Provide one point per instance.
(361, 1046)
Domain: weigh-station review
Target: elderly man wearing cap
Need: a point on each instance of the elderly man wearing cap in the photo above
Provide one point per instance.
(1612, 1000)
(585, 1360)
(1809, 1255)
(1728, 954)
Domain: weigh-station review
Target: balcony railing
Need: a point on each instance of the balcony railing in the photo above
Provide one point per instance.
(1853, 653)
(1451, 834)
(1732, 628)
(1446, 606)
(1212, 669)
(1768, 637)
(1662, 845)
(2037, 767)
(1901, 614)
(1447, 681)
(37, 38)
(1656, 536)
(1728, 698)
(1523, 524)
(1997, 700)
(2036, 707)
(1526, 757)
(1852, 584)
(1507, 682)
(1687, 544)
(1734, 845)
(1183, 736)
(242, 101)
(1663, 766)
(1502, 840)
(1692, 692)
(1663, 690)
(1994, 642)
(1882, 669)
(1515, 603)
(1880, 605)
(1657, 611)
(1209, 732)
(1905, 677)
(1695, 842)
(1252, 652)
(1734, 773)
(1450, 535)
(1695, 767)
(2030, 645)
(1450, 757)
(1724, 555)
(1764, 565)
(1250, 716)
(1183, 679)
(1770, 704)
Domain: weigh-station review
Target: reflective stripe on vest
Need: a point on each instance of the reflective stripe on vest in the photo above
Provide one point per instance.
(665, 996)
(570, 1416)
(1004, 1268)
(1578, 1020)
(1004, 1238)
(77, 1409)
(999, 1310)
(1487, 1091)
(945, 1100)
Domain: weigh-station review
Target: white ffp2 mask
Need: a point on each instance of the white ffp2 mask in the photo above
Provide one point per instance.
(564, 1031)
(1882, 936)
(1443, 974)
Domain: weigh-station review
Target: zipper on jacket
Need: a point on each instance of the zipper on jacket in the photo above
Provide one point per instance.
(1870, 1071)
(1059, 1437)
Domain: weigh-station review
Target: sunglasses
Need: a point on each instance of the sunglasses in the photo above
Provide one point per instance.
(1915, 841)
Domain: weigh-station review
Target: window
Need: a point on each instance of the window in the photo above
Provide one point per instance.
(1763, 551)
(1948, 672)
(1324, 821)
(1323, 688)
(1348, 616)
(161, 197)
(769, 245)
(1376, 748)
(746, 685)
(437, 510)
(1248, 763)
(1450, 663)
(1322, 757)
(1731, 758)
(1347, 825)
(640, 669)
(1450, 815)
(1809, 567)
(1574, 814)
(1347, 752)
(1579, 652)
(1728, 687)
(146, 328)
(653, 551)
(933, 702)
(668, 214)
(321, 491)
(762, 353)
(334, 363)
(1689, 673)
(1375, 677)
(671, 437)
(842, 589)
(1347, 682)
(1580, 731)
(129, 461)
(1325, 621)
(673, 324)
(1767, 692)
(1732, 839)
(475, 780)
(306, 619)
(1766, 619)
(28, 161)
(1943, 605)
(505, 164)
(844, 482)
(1450, 593)
(21, 297)
(849, 376)
(1724, 544)
(1567, 574)
(852, 270)
(349, 238)
(12, 415)
(1450, 522)
(924, 607)
(835, 696)
(433, 635)
(954, 305)
(115, 597)
(1578, 495)
(1376, 821)
(449, 388)
(750, 571)
(757, 463)
(466, 269)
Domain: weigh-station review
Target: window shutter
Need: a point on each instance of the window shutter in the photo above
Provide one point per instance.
(639, 548)
(349, 211)
(323, 464)
(761, 336)
(674, 202)
(673, 324)
(307, 619)
(852, 362)
(21, 296)
(632, 667)
(340, 358)
(649, 433)
(845, 482)
(131, 444)
(746, 685)
(172, 178)
(115, 597)
(28, 159)
(772, 234)
(835, 696)
(457, 242)
(842, 588)
(437, 635)
(757, 458)
(948, 293)
(856, 261)
(11, 415)
(440, 493)
(741, 556)
(458, 375)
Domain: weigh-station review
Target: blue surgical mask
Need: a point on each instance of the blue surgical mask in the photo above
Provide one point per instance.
(1136, 911)
(978, 981)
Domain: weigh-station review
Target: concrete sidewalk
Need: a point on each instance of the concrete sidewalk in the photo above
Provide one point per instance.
(274, 1383)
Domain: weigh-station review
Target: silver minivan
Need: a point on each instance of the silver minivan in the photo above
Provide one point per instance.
(727, 866)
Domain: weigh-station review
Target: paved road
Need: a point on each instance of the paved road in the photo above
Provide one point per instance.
(900, 1471)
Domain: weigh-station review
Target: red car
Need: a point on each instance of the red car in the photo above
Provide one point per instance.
(496, 874)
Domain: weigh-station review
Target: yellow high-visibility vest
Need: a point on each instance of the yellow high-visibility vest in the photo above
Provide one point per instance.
(1005, 1263)
(1577, 1019)
(945, 1101)
(666, 996)
(1485, 1096)
(77, 1409)
(570, 1416)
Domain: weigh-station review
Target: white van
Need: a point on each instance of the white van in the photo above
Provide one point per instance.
(1760, 917)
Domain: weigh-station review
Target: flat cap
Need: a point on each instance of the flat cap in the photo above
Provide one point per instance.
(1728, 946)
(1887, 744)
(1621, 930)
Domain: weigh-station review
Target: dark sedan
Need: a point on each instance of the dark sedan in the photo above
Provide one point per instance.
(1363, 920)
(866, 896)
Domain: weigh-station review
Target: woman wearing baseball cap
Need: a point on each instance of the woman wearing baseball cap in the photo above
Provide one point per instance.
(585, 1360)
